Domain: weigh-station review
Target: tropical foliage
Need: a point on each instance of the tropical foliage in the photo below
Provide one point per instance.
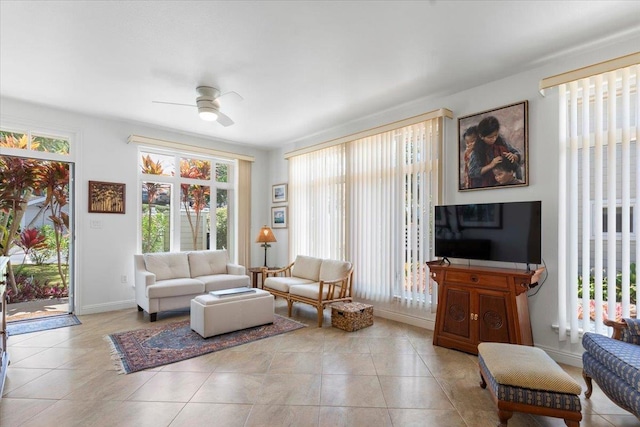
(20, 179)
(605, 285)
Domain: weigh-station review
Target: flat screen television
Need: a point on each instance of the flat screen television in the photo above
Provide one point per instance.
(507, 232)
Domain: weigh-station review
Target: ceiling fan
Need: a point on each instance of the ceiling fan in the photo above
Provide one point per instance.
(208, 104)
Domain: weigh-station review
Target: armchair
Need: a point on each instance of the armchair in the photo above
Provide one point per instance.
(314, 281)
(614, 363)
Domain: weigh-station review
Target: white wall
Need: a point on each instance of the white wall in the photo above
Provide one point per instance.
(543, 172)
(105, 254)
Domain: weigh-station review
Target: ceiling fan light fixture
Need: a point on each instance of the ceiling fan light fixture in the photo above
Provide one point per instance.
(208, 114)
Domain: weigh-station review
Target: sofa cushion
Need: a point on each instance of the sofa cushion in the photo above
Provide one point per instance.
(621, 358)
(216, 282)
(175, 288)
(283, 284)
(206, 263)
(167, 265)
(307, 267)
(334, 270)
(311, 291)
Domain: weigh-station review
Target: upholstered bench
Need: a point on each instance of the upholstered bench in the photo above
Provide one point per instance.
(214, 315)
(525, 379)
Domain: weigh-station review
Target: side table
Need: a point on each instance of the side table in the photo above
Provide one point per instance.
(255, 271)
(254, 276)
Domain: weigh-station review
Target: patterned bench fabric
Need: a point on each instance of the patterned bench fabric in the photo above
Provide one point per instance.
(621, 358)
(542, 398)
(617, 390)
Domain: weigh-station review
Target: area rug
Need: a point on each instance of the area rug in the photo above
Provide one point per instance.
(34, 325)
(148, 348)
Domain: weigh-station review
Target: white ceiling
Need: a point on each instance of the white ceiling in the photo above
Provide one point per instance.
(302, 67)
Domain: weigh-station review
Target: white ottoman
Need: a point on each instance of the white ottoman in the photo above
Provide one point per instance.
(213, 315)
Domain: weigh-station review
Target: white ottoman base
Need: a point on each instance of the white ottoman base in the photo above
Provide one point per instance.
(212, 315)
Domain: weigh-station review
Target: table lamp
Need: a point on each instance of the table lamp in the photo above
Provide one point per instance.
(265, 236)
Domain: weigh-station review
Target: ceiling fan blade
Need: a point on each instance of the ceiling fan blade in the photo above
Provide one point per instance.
(224, 120)
(231, 95)
(173, 103)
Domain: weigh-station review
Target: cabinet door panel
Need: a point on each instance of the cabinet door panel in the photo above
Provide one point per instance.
(493, 321)
(456, 319)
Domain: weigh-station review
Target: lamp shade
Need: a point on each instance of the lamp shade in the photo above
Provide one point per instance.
(265, 235)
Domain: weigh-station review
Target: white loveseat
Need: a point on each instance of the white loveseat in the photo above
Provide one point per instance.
(315, 281)
(170, 280)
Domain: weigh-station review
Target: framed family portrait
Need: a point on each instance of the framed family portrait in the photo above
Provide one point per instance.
(279, 193)
(493, 148)
(106, 197)
(279, 217)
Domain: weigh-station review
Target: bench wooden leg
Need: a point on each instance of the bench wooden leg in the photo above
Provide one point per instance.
(483, 383)
(504, 417)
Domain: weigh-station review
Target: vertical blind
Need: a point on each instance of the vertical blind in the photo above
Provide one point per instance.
(370, 200)
(598, 216)
(317, 203)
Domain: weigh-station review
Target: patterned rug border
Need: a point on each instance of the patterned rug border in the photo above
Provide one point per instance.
(26, 326)
(146, 348)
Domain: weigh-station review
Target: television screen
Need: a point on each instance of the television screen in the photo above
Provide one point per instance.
(508, 232)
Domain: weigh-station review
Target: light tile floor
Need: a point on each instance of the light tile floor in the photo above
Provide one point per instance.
(389, 374)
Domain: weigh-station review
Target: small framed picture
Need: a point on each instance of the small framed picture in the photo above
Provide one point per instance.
(279, 217)
(106, 197)
(279, 193)
(493, 148)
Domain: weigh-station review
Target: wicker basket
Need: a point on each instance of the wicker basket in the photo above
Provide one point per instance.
(351, 316)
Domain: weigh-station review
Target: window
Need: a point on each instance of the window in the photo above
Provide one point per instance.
(384, 225)
(599, 154)
(175, 196)
(618, 219)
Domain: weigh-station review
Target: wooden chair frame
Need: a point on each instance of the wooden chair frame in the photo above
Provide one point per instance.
(344, 293)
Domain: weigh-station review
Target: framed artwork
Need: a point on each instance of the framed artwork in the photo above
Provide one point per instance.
(480, 216)
(279, 193)
(106, 197)
(279, 218)
(493, 148)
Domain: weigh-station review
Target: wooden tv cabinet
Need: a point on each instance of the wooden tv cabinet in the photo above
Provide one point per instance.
(481, 304)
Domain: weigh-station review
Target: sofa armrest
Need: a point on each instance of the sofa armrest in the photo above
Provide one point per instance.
(236, 269)
(284, 271)
(344, 283)
(143, 277)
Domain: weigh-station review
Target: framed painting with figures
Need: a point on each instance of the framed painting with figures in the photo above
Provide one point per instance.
(493, 148)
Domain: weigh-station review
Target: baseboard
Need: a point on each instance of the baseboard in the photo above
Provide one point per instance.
(562, 357)
(102, 308)
(405, 318)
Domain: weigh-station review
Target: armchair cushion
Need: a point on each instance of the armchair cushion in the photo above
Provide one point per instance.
(167, 265)
(206, 263)
(307, 267)
(283, 284)
(311, 291)
(334, 270)
(631, 333)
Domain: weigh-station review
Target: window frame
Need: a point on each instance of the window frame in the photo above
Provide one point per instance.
(175, 180)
